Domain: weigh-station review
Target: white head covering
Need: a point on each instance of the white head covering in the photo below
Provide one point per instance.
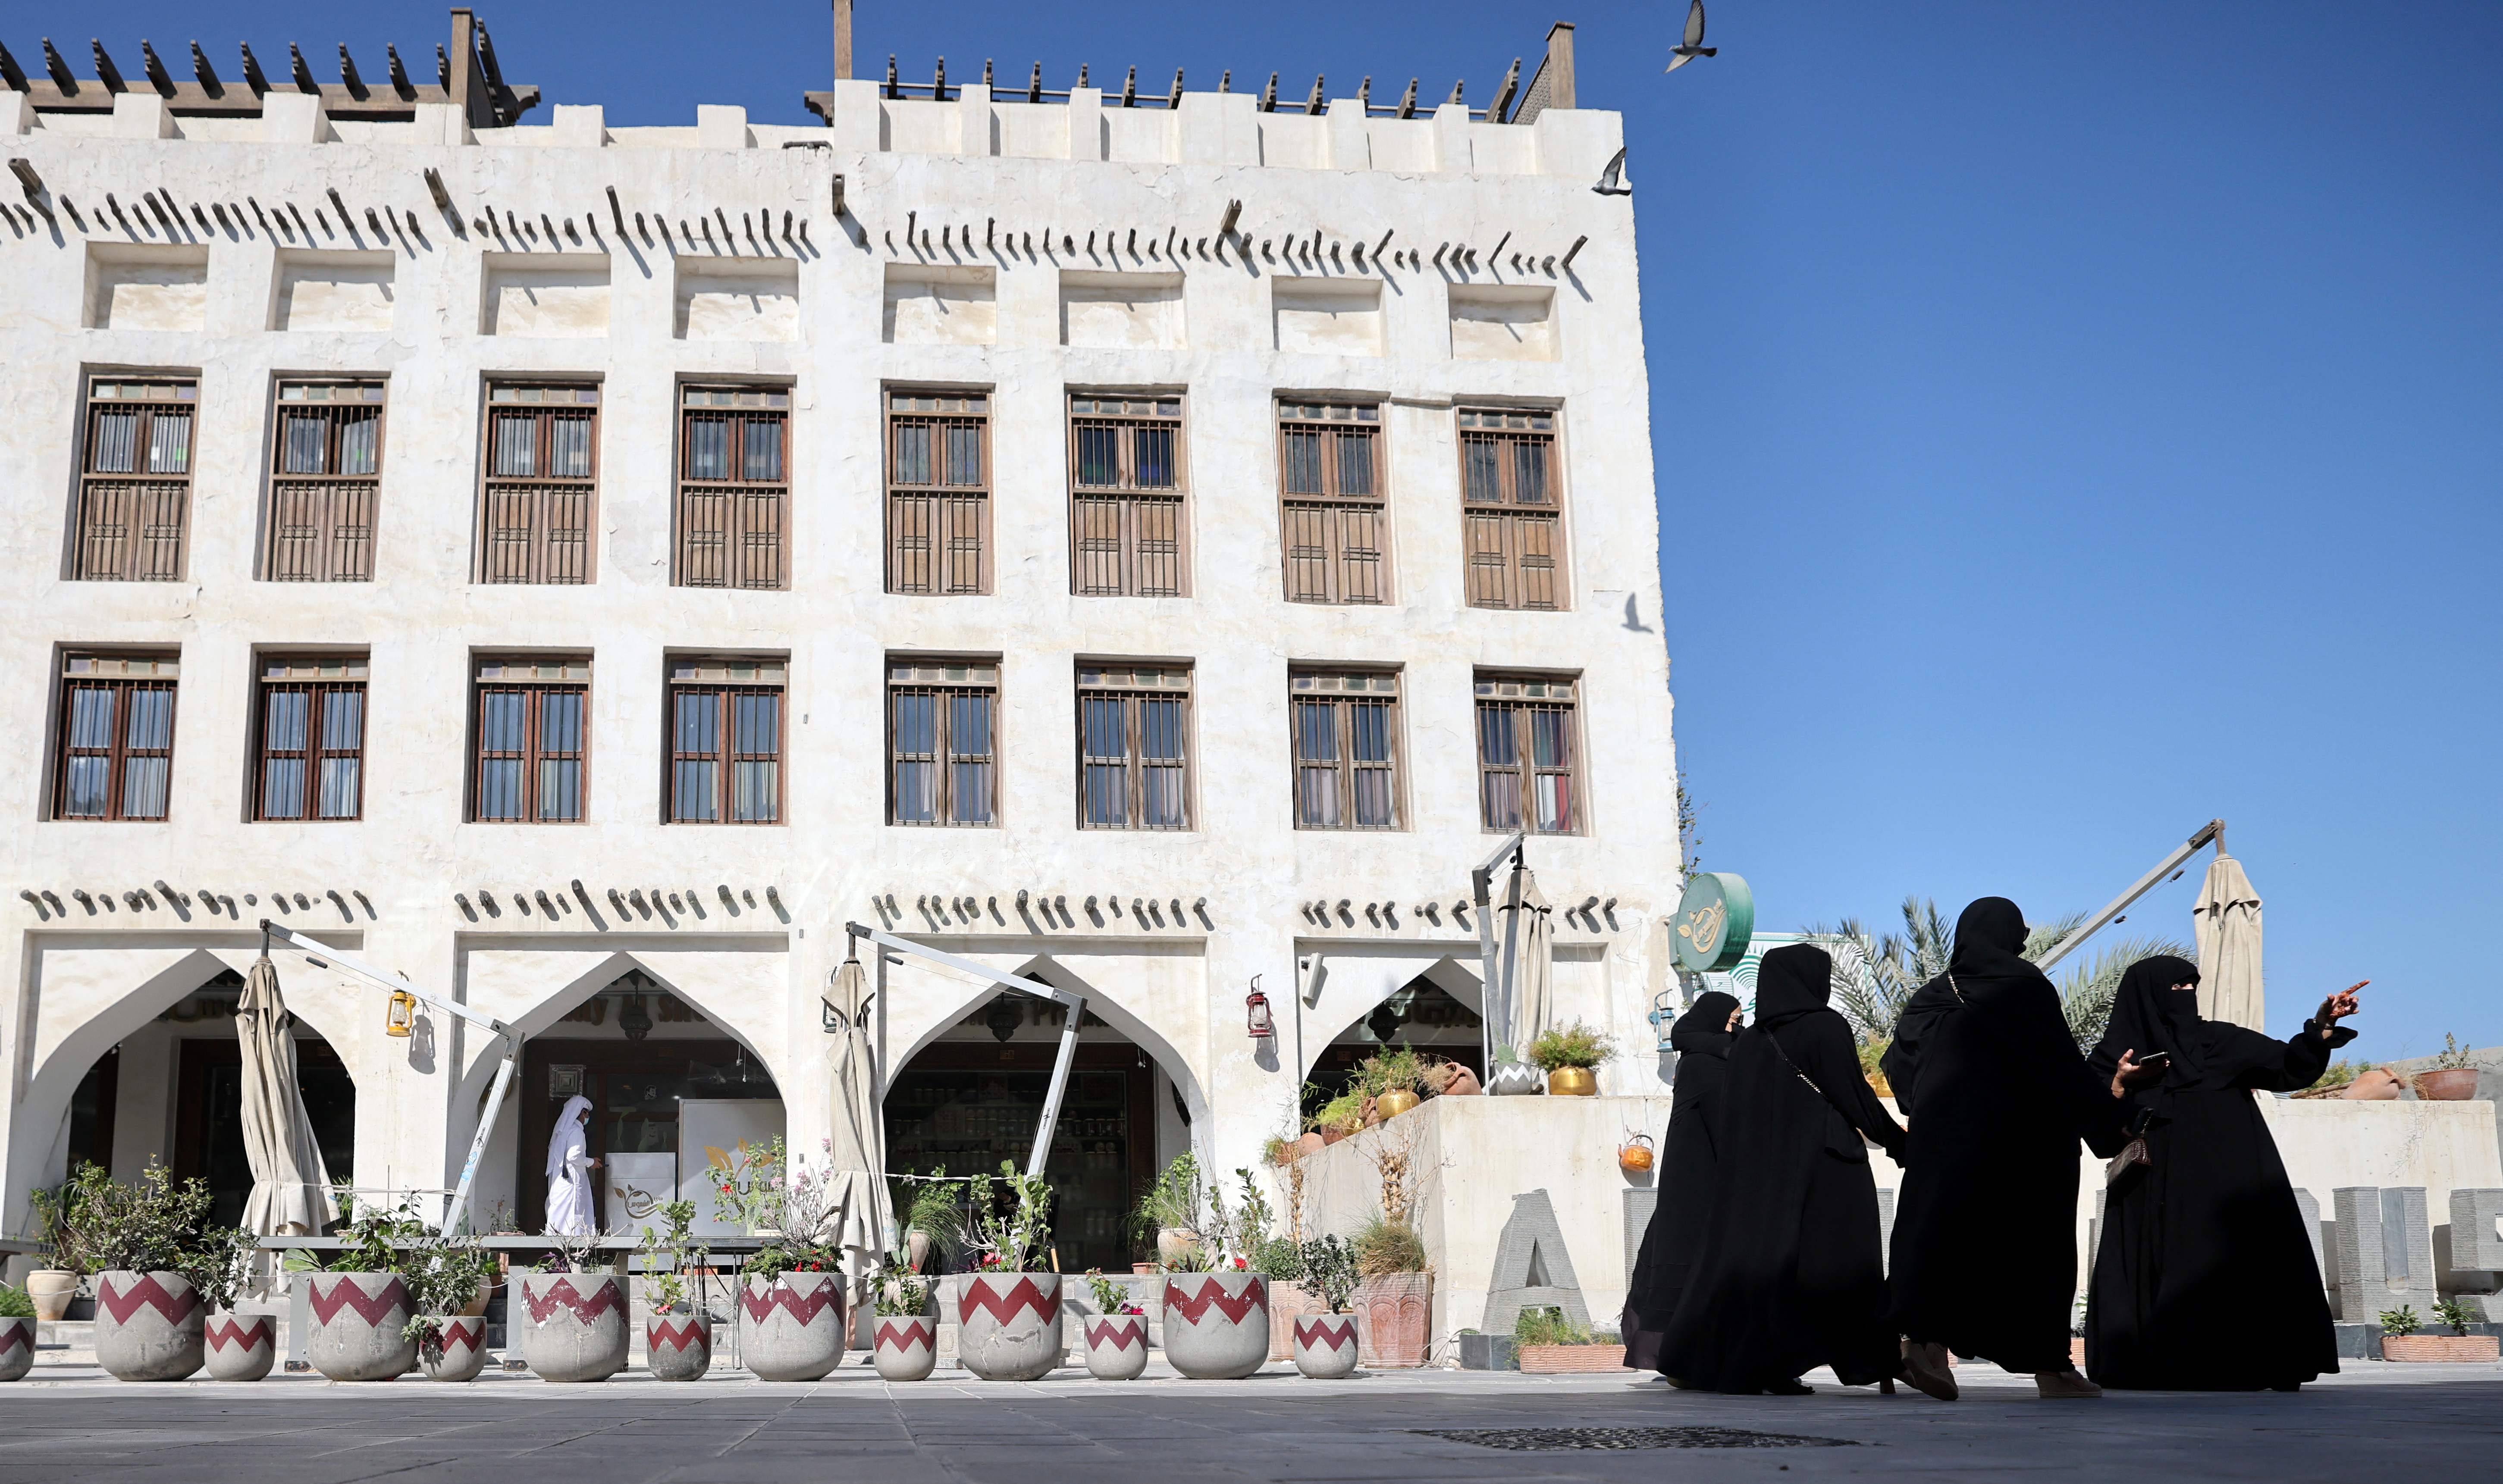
(569, 1140)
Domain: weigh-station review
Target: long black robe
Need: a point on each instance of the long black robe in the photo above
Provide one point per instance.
(1688, 1156)
(2205, 1240)
(1791, 1275)
(1998, 1096)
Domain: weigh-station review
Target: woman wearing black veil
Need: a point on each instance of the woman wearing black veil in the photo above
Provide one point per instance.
(1688, 1156)
(1997, 1095)
(1791, 1275)
(2210, 1220)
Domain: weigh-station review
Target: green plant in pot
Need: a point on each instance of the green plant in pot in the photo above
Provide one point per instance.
(147, 1244)
(1339, 1116)
(1567, 1054)
(904, 1338)
(677, 1334)
(932, 1214)
(1168, 1213)
(1327, 1345)
(448, 1279)
(16, 1332)
(1395, 1078)
(1510, 1076)
(359, 1295)
(1010, 1315)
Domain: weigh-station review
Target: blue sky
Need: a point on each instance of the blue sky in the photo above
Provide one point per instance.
(2075, 422)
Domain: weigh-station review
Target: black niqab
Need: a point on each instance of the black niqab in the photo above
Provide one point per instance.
(1689, 1157)
(1706, 1024)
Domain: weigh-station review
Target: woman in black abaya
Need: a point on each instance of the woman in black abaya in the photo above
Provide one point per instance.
(1688, 1156)
(1985, 1247)
(2209, 1220)
(1791, 1275)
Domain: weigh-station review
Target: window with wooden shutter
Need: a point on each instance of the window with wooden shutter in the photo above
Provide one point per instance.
(1346, 732)
(1127, 497)
(542, 483)
(1528, 746)
(726, 729)
(939, 493)
(1134, 747)
(734, 487)
(530, 741)
(1510, 508)
(134, 512)
(310, 740)
(943, 742)
(1333, 526)
(326, 464)
(115, 753)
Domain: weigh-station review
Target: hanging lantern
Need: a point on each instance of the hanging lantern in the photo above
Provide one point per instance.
(1664, 1015)
(402, 1018)
(634, 1019)
(1256, 1017)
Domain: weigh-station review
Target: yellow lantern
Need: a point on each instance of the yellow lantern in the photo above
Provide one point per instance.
(403, 1016)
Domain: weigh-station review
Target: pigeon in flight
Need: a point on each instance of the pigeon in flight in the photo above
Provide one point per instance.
(1693, 46)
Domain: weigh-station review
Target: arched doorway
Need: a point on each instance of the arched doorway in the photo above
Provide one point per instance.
(1420, 1015)
(642, 1055)
(971, 1094)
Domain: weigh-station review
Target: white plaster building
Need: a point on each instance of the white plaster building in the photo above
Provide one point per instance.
(426, 458)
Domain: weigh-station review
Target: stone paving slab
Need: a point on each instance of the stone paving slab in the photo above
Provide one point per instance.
(729, 1428)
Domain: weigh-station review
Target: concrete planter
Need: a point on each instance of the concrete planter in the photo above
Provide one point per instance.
(1514, 1079)
(16, 1348)
(241, 1347)
(1564, 1359)
(790, 1327)
(1287, 1302)
(456, 1350)
(2438, 1347)
(1009, 1325)
(1326, 1345)
(51, 1289)
(1217, 1324)
(1398, 1310)
(573, 1326)
(147, 1326)
(678, 1347)
(905, 1346)
(1116, 1346)
(356, 1320)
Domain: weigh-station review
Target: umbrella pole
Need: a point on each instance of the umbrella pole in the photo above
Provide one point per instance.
(460, 1204)
(1060, 1065)
(2213, 829)
(1490, 995)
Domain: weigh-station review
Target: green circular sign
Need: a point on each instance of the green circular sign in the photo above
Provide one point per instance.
(1715, 920)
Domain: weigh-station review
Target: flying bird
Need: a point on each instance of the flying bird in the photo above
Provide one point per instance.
(1693, 46)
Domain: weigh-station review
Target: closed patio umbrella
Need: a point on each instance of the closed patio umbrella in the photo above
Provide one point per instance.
(1524, 963)
(289, 1192)
(856, 1193)
(2226, 920)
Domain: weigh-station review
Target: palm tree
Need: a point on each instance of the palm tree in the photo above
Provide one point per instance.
(1873, 976)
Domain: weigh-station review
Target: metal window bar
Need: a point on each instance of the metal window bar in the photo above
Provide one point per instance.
(726, 755)
(530, 761)
(325, 477)
(312, 751)
(943, 753)
(1133, 750)
(135, 488)
(543, 478)
(1527, 776)
(938, 486)
(1332, 519)
(1346, 752)
(1510, 512)
(116, 752)
(734, 497)
(1127, 497)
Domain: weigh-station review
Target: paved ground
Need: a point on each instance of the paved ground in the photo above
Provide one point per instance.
(64, 1424)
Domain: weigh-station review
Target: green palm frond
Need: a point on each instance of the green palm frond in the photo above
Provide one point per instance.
(2043, 937)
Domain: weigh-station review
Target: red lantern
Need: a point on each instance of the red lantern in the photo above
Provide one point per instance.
(1257, 1019)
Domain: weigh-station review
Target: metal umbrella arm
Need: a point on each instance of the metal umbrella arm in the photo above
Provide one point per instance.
(2165, 870)
(1069, 1000)
(1494, 1000)
(322, 956)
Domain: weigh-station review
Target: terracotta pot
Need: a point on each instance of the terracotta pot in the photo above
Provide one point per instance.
(17, 1347)
(476, 1307)
(790, 1329)
(1287, 1302)
(1116, 1346)
(456, 1350)
(1398, 1310)
(51, 1289)
(1009, 1325)
(1311, 1143)
(1332, 1135)
(678, 1347)
(2438, 1347)
(1371, 1110)
(147, 1326)
(239, 1347)
(1462, 1083)
(1561, 1359)
(1217, 1324)
(2376, 1086)
(1395, 1102)
(1326, 1345)
(905, 1346)
(1174, 1244)
(1513, 1079)
(357, 1322)
(916, 1247)
(2452, 1084)
(1573, 1082)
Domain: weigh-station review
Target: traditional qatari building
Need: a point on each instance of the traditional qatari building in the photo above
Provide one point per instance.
(1153, 539)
